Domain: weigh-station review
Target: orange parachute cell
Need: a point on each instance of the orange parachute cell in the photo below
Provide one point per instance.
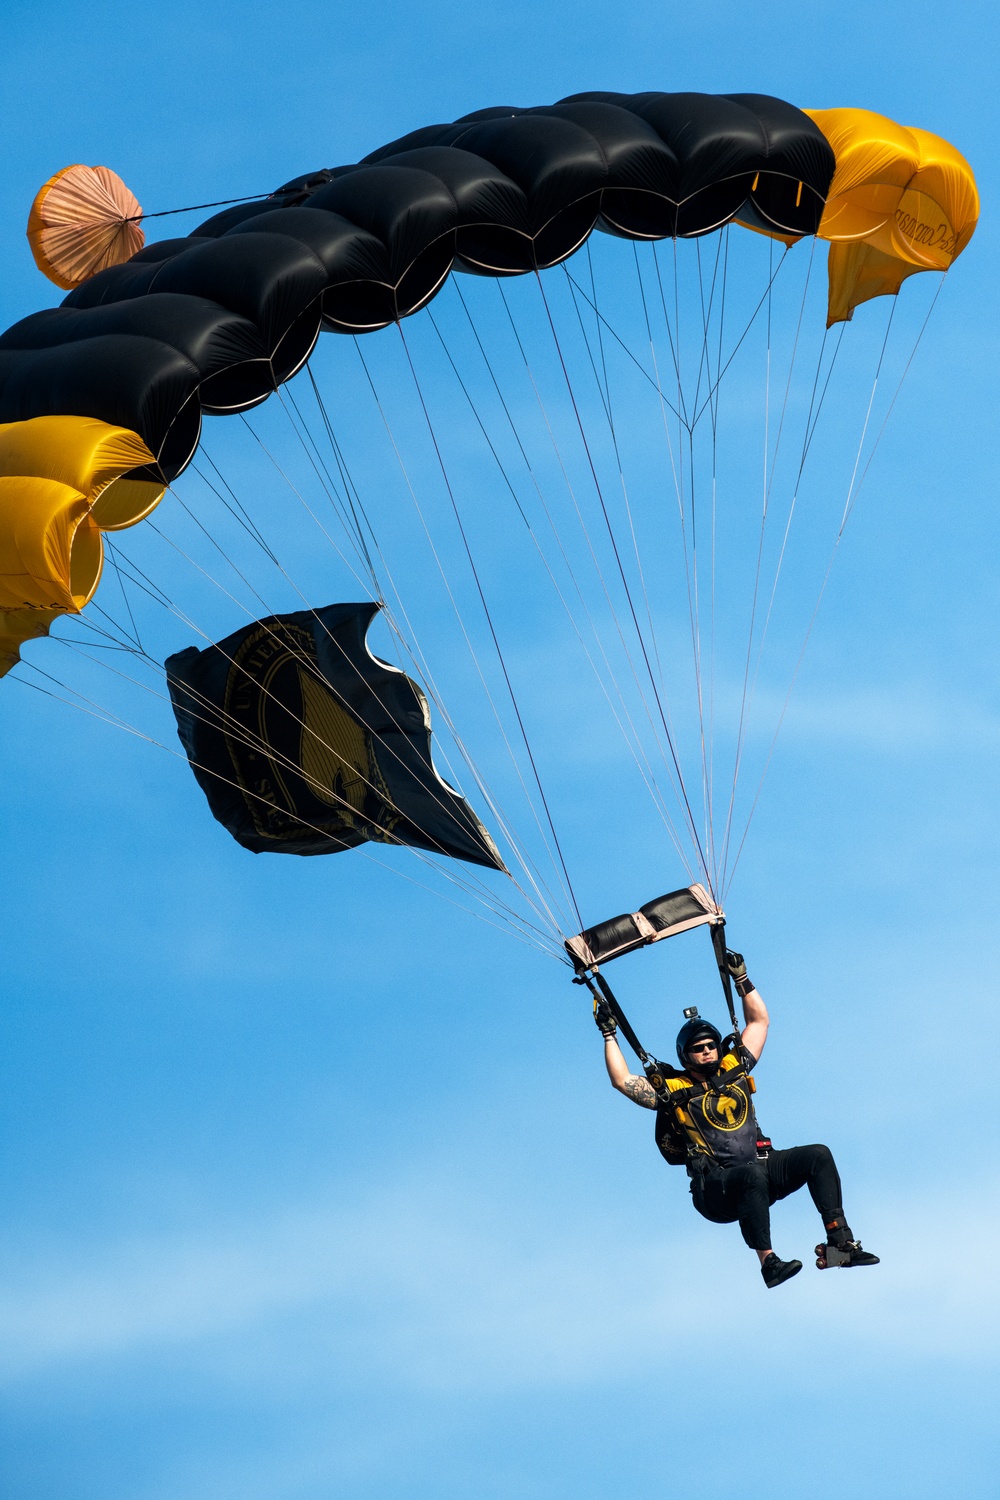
(63, 480)
(50, 545)
(82, 221)
(901, 200)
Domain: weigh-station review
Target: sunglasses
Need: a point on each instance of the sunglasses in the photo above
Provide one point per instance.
(703, 1047)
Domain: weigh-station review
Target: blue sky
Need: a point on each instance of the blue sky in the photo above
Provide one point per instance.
(313, 1185)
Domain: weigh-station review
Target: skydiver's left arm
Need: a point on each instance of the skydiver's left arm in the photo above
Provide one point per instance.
(754, 1010)
(756, 1017)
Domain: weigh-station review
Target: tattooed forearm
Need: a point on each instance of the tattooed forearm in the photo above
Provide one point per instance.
(639, 1091)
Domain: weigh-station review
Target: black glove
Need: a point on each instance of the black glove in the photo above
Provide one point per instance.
(736, 965)
(738, 969)
(604, 1017)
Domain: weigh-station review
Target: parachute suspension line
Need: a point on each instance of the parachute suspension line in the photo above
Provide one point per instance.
(305, 661)
(416, 657)
(592, 551)
(115, 638)
(680, 408)
(705, 365)
(660, 679)
(635, 748)
(547, 945)
(651, 379)
(848, 508)
(747, 690)
(895, 395)
(458, 615)
(676, 464)
(664, 406)
(628, 593)
(518, 853)
(693, 511)
(624, 717)
(345, 513)
(704, 361)
(600, 375)
(135, 629)
(598, 330)
(605, 394)
(240, 513)
(849, 502)
(134, 635)
(351, 490)
(222, 553)
(689, 493)
(677, 470)
(165, 213)
(598, 323)
(489, 896)
(739, 343)
(791, 371)
(489, 621)
(265, 606)
(714, 414)
(363, 583)
(472, 884)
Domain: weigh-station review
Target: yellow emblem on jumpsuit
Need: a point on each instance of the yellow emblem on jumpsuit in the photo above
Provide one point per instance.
(727, 1109)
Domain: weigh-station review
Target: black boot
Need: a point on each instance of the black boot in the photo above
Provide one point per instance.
(775, 1271)
(846, 1254)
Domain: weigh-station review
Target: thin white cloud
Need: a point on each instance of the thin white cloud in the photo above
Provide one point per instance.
(436, 1294)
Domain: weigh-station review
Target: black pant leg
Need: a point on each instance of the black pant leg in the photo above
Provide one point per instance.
(807, 1166)
(736, 1193)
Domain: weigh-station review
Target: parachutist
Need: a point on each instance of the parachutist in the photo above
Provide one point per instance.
(705, 1120)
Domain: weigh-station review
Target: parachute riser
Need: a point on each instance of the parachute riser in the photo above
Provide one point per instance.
(718, 931)
(600, 989)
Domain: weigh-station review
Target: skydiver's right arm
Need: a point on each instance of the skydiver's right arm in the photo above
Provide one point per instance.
(639, 1090)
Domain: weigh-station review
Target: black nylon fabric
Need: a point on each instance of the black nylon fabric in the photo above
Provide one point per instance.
(305, 743)
(211, 337)
(503, 191)
(137, 383)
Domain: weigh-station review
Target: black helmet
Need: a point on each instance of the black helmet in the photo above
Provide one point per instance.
(695, 1030)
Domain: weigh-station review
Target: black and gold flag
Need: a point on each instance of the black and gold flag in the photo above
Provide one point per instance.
(305, 743)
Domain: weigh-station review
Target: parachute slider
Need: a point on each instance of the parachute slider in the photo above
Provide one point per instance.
(677, 911)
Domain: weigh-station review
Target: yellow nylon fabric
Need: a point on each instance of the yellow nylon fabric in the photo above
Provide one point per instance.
(62, 481)
(90, 456)
(18, 626)
(902, 200)
(50, 546)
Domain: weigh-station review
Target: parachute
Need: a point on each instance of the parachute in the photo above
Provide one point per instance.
(609, 402)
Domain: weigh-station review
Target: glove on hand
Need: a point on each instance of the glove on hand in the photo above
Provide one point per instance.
(738, 969)
(736, 965)
(604, 1018)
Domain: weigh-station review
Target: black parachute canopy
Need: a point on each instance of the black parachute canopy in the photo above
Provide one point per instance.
(305, 743)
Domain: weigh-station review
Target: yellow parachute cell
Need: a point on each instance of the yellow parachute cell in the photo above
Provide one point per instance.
(50, 545)
(63, 480)
(81, 221)
(901, 200)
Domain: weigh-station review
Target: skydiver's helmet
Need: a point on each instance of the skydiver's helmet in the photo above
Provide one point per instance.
(696, 1030)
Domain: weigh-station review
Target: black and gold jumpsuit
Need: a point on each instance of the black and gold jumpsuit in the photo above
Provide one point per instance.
(735, 1175)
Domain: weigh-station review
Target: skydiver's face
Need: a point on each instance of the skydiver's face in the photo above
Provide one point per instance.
(703, 1056)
